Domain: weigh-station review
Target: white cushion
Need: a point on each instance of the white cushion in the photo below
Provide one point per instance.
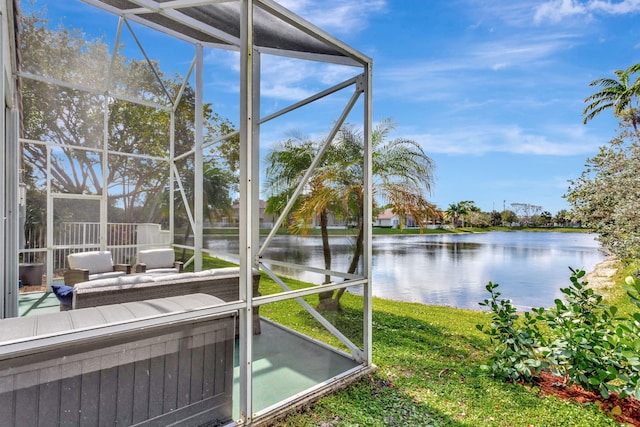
(162, 271)
(172, 277)
(225, 271)
(157, 258)
(126, 280)
(95, 262)
(107, 275)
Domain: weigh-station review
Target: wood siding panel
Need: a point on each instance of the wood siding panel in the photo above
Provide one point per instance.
(154, 378)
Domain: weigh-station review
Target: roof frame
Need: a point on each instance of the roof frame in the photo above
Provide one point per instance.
(215, 23)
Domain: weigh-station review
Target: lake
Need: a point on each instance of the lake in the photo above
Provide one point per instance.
(449, 269)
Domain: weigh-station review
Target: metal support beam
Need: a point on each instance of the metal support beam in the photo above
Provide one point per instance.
(198, 204)
(10, 126)
(367, 214)
(246, 208)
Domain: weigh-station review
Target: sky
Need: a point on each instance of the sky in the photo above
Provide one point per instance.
(492, 90)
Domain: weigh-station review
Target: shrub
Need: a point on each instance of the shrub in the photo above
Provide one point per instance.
(514, 355)
(580, 339)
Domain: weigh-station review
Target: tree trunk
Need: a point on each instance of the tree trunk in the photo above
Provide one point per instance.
(331, 302)
(324, 298)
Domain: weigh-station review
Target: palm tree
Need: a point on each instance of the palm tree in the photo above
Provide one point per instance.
(402, 174)
(457, 211)
(402, 177)
(617, 94)
(287, 165)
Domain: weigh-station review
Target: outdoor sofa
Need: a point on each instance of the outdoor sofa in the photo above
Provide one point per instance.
(219, 282)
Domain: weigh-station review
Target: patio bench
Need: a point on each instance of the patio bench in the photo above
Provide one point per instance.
(92, 265)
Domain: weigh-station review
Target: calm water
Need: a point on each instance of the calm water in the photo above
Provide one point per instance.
(451, 269)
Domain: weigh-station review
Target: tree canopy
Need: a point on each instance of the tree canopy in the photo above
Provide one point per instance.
(69, 126)
(606, 196)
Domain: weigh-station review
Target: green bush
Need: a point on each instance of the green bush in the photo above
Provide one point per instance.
(514, 355)
(580, 339)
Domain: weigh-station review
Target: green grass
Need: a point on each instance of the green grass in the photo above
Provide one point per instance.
(429, 374)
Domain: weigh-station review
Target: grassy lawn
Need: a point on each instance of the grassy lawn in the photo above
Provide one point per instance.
(429, 374)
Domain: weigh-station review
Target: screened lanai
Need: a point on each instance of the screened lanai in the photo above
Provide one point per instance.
(152, 131)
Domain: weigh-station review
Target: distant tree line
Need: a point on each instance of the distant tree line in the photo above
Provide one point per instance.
(467, 214)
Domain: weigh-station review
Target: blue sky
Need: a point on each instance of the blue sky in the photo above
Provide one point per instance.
(492, 90)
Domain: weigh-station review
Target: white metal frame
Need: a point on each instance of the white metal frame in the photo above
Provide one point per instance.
(251, 254)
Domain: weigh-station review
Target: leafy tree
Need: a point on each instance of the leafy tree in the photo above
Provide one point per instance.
(477, 218)
(619, 94)
(563, 217)
(545, 218)
(508, 217)
(495, 218)
(74, 120)
(526, 212)
(604, 197)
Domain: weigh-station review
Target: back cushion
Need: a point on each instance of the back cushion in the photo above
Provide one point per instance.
(157, 258)
(95, 262)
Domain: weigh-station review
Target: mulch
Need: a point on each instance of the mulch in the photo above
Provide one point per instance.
(626, 410)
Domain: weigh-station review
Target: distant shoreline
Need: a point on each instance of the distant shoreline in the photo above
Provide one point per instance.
(383, 231)
(602, 277)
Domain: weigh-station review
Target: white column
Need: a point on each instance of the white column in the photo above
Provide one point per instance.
(247, 209)
(198, 202)
(367, 214)
(10, 128)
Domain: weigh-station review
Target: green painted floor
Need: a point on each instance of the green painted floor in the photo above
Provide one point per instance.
(284, 364)
(37, 303)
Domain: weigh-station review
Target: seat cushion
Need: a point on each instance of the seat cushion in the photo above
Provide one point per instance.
(106, 275)
(162, 271)
(157, 258)
(95, 262)
(123, 280)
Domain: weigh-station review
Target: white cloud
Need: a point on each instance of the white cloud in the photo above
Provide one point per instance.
(557, 10)
(337, 16)
(481, 140)
(509, 61)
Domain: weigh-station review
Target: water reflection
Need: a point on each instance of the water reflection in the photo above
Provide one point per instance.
(449, 269)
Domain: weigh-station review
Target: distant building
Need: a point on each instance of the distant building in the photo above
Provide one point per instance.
(387, 218)
(266, 221)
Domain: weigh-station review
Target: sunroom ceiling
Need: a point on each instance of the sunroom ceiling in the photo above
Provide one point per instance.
(216, 23)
